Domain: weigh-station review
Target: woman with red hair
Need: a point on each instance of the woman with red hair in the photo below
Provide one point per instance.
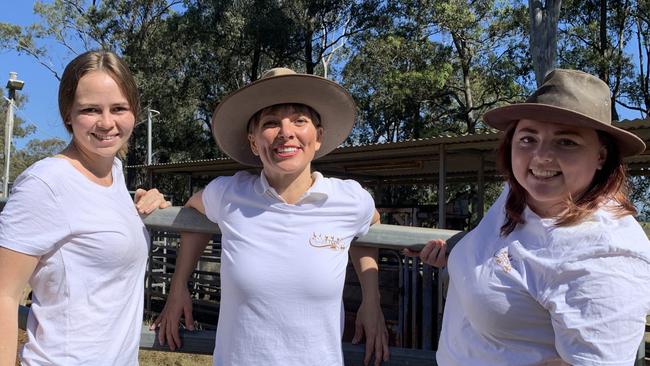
(558, 271)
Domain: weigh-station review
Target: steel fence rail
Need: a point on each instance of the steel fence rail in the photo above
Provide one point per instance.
(379, 236)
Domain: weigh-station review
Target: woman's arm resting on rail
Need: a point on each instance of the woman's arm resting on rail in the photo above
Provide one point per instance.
(179, 301)
(370, 318)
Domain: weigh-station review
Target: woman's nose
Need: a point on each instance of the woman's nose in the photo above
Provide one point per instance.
(544, 152)
(106, 120)
(286, 129)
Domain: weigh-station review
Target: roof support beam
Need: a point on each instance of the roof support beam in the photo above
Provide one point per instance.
(480, 187)
(442, 175)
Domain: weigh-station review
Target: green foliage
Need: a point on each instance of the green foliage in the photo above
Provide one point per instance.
(398, 85)
(597, 37)
(417, 69)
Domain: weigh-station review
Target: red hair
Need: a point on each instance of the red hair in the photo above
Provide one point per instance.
(609, 185)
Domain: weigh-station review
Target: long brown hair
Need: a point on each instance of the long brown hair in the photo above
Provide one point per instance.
(609, 184)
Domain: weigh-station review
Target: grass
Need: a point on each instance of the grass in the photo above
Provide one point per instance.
(157, 358)
(153, 358)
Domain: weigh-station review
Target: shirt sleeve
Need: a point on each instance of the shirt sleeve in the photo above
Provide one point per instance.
(33, 221)
(598, 309)
(213, 197)
(367, 210)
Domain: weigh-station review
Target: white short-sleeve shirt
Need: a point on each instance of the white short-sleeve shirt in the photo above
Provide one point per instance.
(547, 295)
(88, 293)
(283, 269)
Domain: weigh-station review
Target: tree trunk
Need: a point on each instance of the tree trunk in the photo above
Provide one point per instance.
(309, 47)
(603, 73)
(465, 56)
(255, 64)
(543, 35)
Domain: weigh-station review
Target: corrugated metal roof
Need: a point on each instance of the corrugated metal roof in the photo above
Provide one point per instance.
(412, 158)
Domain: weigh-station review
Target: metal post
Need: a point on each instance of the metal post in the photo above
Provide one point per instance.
(9, 127)
(149, 120)
(442, 172)
(12, 85)
(480, 188)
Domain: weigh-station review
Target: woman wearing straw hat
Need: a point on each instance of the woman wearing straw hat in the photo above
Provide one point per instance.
(558, 271)
(285, 232)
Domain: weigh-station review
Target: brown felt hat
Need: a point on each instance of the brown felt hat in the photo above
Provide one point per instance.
(334, 104)
(569, 97)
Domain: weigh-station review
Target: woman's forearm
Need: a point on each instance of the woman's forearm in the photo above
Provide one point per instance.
(364, 260)
(191, 247)
(9, 330)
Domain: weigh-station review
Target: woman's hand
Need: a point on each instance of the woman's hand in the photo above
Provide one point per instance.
(178, 303)
(148, 201)
(434, 253)
(371, 324)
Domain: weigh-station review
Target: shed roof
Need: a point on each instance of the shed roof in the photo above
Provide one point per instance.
(412, 161)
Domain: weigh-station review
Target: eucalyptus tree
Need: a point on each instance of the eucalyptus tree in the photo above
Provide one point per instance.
(437, 68)
(398, 83)
(543, 16)
(324, 26)
(594, 37)
(636, 90)
(489, 48)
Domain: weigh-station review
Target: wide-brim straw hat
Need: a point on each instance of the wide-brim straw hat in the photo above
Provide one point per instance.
(569, 97)
(332, 102)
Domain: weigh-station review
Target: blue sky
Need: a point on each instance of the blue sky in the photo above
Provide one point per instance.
(40, 87)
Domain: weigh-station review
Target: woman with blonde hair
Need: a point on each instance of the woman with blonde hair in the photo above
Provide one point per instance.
(71, 230)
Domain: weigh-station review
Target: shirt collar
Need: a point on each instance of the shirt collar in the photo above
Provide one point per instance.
(316, 192)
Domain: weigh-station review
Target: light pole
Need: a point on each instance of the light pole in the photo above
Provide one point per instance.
(12, 85)
(150, 113)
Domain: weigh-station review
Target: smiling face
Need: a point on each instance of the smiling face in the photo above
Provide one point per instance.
(553, 162)
(100, 117)
(286, 139)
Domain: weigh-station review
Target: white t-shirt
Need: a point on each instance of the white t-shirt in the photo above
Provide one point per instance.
(283, 269)
(547, 295)
(88, 292)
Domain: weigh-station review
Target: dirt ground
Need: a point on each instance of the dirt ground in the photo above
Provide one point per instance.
(157, 358)
(154, 358)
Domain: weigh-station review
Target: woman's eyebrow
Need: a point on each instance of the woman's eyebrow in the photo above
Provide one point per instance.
(567, 132)
(528, 130)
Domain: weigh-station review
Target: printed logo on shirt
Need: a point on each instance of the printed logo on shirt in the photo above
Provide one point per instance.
(502, 258)
(326, 241)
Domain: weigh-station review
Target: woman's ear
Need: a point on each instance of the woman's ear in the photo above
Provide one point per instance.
(319, 137)
(251, 141)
